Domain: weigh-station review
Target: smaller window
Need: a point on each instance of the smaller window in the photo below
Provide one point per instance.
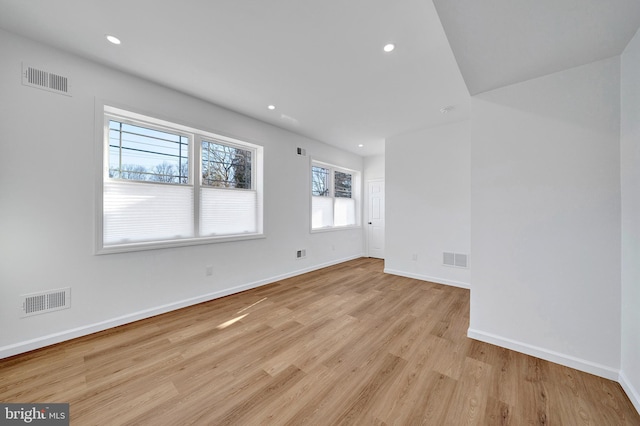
(334, 197)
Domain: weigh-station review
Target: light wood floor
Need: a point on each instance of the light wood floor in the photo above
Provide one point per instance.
(343, 345)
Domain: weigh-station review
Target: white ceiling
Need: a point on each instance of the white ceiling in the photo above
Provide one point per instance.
(501, 42)
(321, 62)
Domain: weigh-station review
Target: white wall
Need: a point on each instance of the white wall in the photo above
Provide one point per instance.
(630, 180)
(545, 224)
(427, 203)
(374, 167)
(47, 199)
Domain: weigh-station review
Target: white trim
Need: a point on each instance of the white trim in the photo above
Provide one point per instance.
(134, 116)
(427, 278)
(41, 342)
(632, 393)
(546, 354)
(158, 244)
(335, 228)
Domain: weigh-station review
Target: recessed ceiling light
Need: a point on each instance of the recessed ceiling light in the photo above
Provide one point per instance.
(389, 47)
(113, 39)
(271, 107)
(360, 145)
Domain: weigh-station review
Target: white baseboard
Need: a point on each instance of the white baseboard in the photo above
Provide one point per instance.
(556, 357)
(562, 359)
(427, 278)
(632, 393)
(41, 342)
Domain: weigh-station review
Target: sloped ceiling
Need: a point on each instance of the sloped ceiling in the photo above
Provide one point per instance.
(501, 42)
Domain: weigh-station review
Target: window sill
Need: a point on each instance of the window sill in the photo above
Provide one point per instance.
(335, 228)
(156, 245)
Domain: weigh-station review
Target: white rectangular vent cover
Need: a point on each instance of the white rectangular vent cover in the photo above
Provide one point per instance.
(455, 259)
(49, 301)
(45, 80)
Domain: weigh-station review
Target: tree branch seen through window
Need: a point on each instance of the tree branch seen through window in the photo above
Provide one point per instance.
(225, 166)
(319, 181)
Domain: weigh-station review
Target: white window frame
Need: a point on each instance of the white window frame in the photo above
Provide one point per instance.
(106, 112)
(356, 183)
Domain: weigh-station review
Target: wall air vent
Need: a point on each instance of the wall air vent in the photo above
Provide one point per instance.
(448, 259)
(45, 80)
(48, 301)
(455, 259)
(460, 260)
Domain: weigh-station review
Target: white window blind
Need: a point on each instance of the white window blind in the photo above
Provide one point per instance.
(344, 212)
(228, 211)
(321, 212)
(140, 212)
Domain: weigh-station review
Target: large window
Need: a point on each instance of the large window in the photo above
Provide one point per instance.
(334, 197)
(165, 185)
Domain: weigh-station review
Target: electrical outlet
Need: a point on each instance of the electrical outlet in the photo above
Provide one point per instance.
(209, 270)
(414, 257)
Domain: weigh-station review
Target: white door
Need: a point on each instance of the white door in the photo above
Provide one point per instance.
(375, 223)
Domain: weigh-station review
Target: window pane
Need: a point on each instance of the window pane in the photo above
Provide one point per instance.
(321, 212)
(138, 212)
(225, 166)
(319, 181)
(144, 154)
(342, 185)
(345, 212)
(228, 212)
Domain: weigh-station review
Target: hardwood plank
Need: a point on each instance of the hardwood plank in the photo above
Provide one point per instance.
(420, 395)
(244, 410)
(346, 344)
(302, 393)
(434, 402)
(498, 413)
(469, 400)
(361, 403)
